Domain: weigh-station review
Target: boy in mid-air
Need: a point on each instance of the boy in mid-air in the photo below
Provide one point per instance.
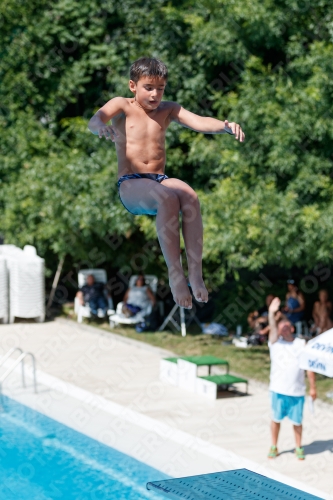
(138, 130)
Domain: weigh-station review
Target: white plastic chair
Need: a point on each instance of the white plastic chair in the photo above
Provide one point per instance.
(120, 318)
(30, 250)
(10, 250)
(26, 289)
(100, 277)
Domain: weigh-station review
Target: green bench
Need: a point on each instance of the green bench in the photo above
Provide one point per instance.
(206, 361)
(173, 370)
(188, 369)
(209, 386)
(182, 372)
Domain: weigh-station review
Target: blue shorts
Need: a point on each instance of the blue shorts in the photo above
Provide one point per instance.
(154, 177)
(287, 406)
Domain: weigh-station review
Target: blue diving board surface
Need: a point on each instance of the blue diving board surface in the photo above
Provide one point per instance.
(239, 484)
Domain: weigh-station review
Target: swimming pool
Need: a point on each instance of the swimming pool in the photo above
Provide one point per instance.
(42, 459)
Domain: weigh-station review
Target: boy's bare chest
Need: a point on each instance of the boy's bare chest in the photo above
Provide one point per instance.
(139, 125)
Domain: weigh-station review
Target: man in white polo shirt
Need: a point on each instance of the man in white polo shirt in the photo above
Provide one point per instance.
(287, 380)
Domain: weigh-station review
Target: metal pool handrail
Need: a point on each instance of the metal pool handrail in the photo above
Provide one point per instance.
(19, 360)
(8, 354)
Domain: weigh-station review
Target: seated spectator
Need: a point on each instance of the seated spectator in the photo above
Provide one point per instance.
(258, 320)
(92, 293)
(138, 297)
(251, 319)
(295, 303)
(321, 312)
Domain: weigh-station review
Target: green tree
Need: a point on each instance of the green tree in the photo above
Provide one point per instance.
(267, 65)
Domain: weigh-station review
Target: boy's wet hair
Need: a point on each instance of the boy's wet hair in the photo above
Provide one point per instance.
(148, 66)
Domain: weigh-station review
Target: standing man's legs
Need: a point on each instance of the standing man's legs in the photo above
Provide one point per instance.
(296, 416)
(291, 407)
(298, 435)
(275, 429)
(277, 416)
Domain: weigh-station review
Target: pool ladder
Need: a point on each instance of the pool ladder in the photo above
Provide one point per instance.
(17, 361)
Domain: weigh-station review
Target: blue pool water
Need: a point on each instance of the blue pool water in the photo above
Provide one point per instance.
(41, 459)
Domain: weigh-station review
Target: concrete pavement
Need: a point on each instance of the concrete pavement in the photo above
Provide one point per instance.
(106, 385)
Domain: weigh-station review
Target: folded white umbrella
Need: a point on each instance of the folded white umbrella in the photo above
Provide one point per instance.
(317, 356)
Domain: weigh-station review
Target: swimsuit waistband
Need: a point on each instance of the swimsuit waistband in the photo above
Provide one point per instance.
(153, 177)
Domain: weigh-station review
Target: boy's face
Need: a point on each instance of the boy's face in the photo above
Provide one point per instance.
(148, 91)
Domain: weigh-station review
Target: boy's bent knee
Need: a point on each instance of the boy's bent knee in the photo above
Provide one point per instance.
(169, 199)
(193, 197)
(189, 197)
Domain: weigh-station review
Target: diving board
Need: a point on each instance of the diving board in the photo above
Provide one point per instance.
(239, 484)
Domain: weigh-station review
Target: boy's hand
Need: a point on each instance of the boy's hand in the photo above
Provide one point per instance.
(234, 129)
(274, 306)
(108, 132)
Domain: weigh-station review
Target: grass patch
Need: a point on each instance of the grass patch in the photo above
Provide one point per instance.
(253, 362)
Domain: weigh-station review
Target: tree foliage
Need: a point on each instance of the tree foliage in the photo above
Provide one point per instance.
(267, 65)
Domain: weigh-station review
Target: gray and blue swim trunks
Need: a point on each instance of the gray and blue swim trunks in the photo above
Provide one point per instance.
(154, 177)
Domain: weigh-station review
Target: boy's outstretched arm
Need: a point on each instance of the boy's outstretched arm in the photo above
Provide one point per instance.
(97, 124)
(205, 124)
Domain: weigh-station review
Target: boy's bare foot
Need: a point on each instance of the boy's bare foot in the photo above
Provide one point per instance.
(179, 289)
(198, 288)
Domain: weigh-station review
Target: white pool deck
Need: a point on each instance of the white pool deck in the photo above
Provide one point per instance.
(107, 387)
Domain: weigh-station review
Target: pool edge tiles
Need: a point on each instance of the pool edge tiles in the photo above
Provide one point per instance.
(116, 426)
(42, 459)
(191, 455)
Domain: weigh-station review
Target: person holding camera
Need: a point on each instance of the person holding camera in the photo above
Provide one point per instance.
(258, 322)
